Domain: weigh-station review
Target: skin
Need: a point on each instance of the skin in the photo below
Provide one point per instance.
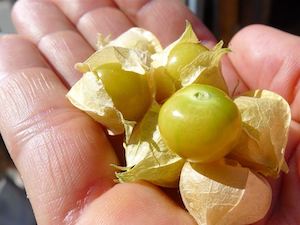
(63, 156)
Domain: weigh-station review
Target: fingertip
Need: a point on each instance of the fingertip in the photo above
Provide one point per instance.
(166, 19)
(260, 34)
(104, 20)
(35, 19)
(16, 10)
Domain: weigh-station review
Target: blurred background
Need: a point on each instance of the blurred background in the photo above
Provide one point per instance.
(226, 17)
(223, 17)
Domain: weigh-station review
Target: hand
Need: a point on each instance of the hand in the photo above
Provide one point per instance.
(64, 156)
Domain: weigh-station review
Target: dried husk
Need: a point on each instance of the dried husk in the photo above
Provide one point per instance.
(132, 49)
(204, 69)
(147, 157)
(224, 194)
(131, 59)
(266, 119)
(134, 38)
(89, 95)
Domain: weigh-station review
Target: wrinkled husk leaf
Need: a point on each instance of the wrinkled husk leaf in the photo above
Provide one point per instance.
(224, 194)
(128, 129)
(266, 119)
(131, 59)
(132, 49)
(134, 38)
(89, 95)
(204, 69)
(147, 157)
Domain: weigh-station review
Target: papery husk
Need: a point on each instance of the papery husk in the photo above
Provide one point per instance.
(132, 49)
(89, 95)
(204, 69)
(224, 194)
(266, 119)
(134, 38)
(131, 59)
(147, 157)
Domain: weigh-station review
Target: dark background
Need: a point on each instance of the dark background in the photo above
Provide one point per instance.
(226, 17)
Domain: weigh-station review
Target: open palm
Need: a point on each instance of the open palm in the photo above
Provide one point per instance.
(64, 156)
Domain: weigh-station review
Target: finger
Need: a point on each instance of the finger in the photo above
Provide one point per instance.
(63, 156)
(64, 50)
(236, 85)
(132, 204)
(95, 17)
(165, 18)
(78, 8)
(37, 19)
(267, 58)
(56, 37)
(28, 60)
(287, 207)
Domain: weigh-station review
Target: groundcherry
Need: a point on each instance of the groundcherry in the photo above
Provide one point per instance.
(200, 123)
(129, 91)
(182, 55)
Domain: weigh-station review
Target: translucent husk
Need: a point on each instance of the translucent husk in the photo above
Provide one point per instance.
(266, 118)
(134, 38)
(131, 59)
(224, 194)
(89, 95)
(147, 157)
